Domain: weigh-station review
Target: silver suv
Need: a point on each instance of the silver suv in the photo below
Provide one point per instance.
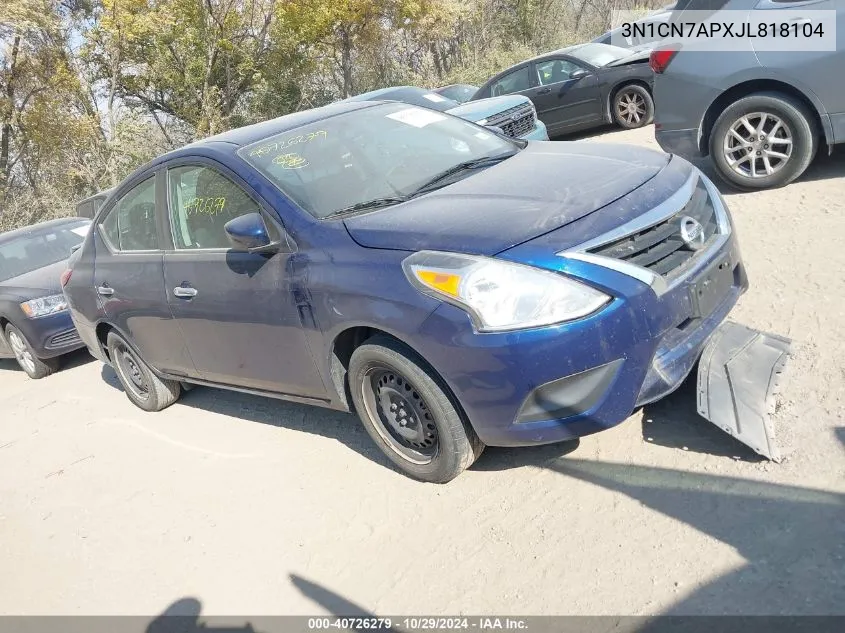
(759, 115)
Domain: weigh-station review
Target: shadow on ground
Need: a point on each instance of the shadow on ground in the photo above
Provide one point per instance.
(674, 422)
(792, 539)
(69, 361)
(343, 427)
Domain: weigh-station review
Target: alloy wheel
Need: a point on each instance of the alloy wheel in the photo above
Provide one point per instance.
(400, 415)
(631, 107)
(21, 352)
(758, 145)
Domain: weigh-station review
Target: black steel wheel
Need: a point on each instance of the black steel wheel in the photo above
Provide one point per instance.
(146, 390)
(403, 419)
(409, 412)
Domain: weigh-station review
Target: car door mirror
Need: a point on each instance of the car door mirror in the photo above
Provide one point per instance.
(579, 74)
(249, 233)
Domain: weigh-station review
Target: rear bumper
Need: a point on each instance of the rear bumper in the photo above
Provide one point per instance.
(539, 133)
(683, 143)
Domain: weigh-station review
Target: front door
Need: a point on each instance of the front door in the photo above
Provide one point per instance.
(563, 101)
(237, 311)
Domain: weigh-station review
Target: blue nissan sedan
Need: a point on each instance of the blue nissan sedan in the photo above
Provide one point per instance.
(455, 287)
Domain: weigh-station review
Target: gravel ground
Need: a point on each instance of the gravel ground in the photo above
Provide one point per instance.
(253, 506)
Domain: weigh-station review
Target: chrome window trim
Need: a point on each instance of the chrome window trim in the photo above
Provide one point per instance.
(660, 213)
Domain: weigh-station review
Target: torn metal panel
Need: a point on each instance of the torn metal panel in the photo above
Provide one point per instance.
(737, 380)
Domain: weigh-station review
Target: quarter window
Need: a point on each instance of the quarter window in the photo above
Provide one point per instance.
(201, 202)
(131, 224)
(517, 81)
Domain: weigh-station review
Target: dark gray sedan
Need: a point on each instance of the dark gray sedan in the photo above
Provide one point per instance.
(580, 87)
(35, 326)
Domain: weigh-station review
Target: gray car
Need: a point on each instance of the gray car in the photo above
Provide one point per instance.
(760, 115)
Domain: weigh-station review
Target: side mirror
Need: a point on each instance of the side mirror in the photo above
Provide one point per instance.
(496, 129)
(249, 233)
(579, 74)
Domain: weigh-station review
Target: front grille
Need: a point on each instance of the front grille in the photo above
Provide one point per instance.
(661, 247)
(64, 338)
(516, 121)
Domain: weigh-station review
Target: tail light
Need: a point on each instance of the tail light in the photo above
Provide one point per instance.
(659, 59)
(65, 277)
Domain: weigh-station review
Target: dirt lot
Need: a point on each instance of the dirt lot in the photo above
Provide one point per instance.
(254, 506)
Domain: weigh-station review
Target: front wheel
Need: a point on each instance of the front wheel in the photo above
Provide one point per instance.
(763, 140)
(34, 367)
(408, 414)
(146, 390)
(633, 107)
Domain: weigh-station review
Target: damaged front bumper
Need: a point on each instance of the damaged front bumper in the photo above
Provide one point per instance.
(738, 378)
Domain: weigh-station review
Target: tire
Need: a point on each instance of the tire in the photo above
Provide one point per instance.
(632, 107)
(435, 455)
(36, 368)
(143, 388)
(796, 123)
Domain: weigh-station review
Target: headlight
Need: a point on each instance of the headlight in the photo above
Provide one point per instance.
(501, 295)
(43, 306)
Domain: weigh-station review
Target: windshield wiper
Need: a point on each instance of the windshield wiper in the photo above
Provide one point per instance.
(369, 204)
(438, 180)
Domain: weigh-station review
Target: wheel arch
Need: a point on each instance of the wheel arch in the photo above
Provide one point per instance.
(353, 336)
(753, 86)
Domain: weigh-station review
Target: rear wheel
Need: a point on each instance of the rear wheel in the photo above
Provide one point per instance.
(632, 107)
(33, 366)
(763, 140)
(142, 386)
(408, 414)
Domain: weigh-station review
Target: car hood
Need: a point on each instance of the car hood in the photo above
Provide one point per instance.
(485, 108)
(639, 54)
(37, 283)
(543, 187)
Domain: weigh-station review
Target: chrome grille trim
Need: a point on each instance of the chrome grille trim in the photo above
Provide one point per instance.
(672, 206)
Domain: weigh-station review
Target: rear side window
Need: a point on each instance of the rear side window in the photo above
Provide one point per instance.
(517, 81)
(131, 223)
(202, 200)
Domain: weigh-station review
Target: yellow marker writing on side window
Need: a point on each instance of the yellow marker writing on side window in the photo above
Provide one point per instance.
(444, 282)
(205, 206)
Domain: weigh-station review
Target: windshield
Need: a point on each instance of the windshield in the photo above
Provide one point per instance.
(40, 248)
(384, 151)
(599, 54)
(460, 93)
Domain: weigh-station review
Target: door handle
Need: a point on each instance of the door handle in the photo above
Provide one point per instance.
(105, 290)
(544, 91)
(185, 292)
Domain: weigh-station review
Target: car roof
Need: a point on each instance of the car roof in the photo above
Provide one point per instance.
(251, 133)
(38, 228)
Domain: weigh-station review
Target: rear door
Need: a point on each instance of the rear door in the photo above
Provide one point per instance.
(820, 71)
(129, 278)
(561, 100)
(241, 314)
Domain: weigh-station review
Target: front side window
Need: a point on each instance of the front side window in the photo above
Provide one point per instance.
(555, 71)
(202, 200)
(386, 151)
(517, 81)
(131, 223)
